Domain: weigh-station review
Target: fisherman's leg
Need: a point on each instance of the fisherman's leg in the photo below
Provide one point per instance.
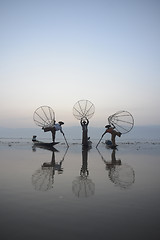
(53, 135)
(113, 139)
(46, 129)
(84, 138)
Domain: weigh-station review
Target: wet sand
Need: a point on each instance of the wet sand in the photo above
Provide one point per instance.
(75, 194)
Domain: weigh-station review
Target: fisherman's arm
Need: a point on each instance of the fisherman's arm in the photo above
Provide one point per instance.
(104, 133)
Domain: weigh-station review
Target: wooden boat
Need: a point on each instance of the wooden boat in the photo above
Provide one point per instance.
(40, 144)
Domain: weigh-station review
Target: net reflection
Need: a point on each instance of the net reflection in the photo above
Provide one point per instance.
(83, 186)
(43, 178)
(122, 175)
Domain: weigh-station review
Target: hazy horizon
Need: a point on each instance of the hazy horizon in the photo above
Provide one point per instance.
(75, 132)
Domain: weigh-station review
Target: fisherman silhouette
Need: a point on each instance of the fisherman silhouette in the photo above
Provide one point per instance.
(53, 129)
(84, 123)
(110, 129)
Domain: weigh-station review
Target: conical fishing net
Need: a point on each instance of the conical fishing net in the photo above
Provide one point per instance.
(44, 116)
(122, 120)
(83, 109)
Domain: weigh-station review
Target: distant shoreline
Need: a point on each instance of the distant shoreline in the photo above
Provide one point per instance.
(72, 141)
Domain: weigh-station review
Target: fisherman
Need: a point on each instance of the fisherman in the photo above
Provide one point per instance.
(110, 129)
(54, 128)
(84, 124)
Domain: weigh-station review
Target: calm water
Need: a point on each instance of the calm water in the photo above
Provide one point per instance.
(70, 194)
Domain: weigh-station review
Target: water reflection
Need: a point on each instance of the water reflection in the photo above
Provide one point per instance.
(122, 175)
(43, 178)
(83, 186)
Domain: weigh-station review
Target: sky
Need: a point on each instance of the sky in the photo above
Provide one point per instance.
(56, 53)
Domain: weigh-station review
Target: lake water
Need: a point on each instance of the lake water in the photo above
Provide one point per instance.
(75, 194)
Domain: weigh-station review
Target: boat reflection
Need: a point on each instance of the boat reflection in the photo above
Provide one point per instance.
(121, 174)
(43, 178)
(83, 186)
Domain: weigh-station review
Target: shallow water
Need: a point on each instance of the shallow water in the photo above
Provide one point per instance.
(75, 194)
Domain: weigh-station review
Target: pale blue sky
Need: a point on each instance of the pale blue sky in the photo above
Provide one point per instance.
(58, 52)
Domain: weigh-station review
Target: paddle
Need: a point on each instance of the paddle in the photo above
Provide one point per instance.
(65, 140)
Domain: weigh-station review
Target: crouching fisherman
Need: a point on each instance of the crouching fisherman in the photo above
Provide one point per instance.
(114, 133)
(110, 129)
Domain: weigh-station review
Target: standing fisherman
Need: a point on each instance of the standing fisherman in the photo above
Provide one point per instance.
(84, 124)
(54, 128)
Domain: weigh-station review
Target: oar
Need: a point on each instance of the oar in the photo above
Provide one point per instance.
(99, 141)
(65, 140)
